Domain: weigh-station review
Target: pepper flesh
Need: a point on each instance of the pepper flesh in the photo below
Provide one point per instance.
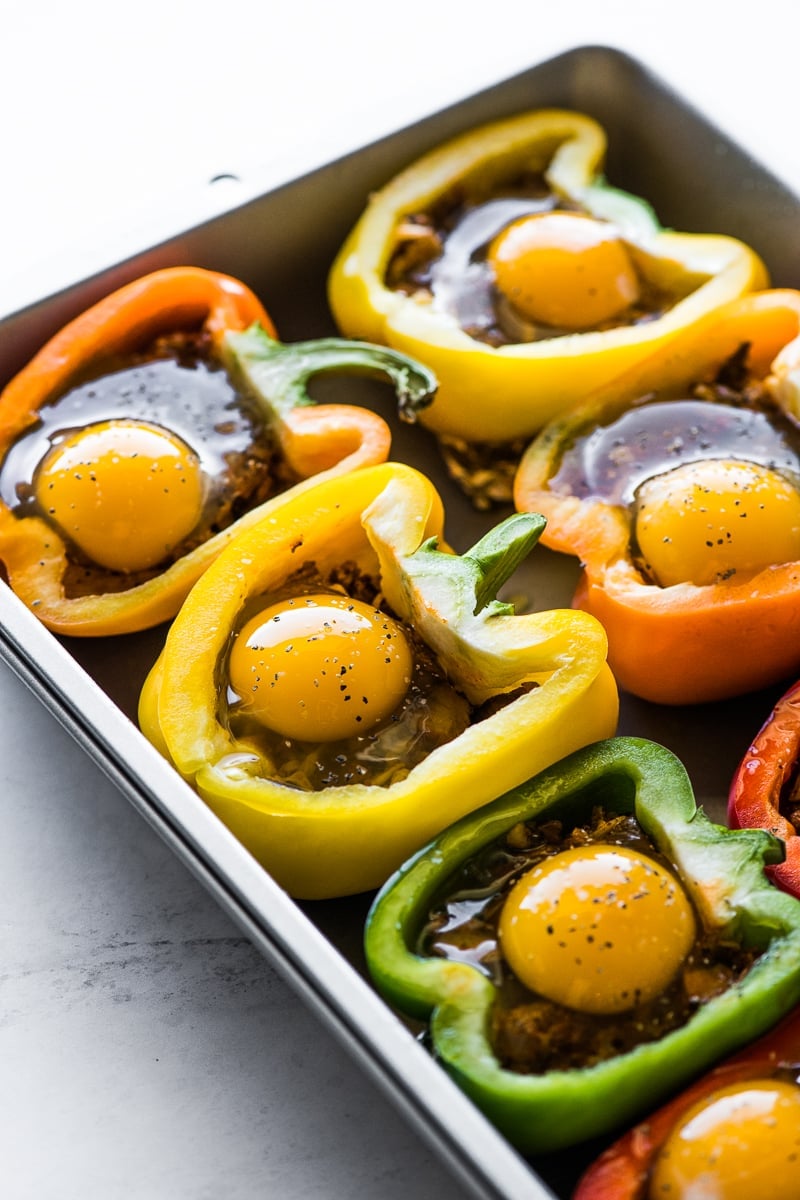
(314, 440)
(347, 839)
(682, 644)
(760, 780)
(489, 394)
(722, 870)
(621, 1172)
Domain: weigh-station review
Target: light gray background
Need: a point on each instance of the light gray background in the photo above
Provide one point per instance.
(146, 1050)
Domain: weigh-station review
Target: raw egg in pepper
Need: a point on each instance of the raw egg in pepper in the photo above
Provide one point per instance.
(610, 828)
(564, 269)
(599, 929)
(349, 761)
(742, 1143)
(505, 261)
(320, 667)
(710, 487)
(125, 492)
(150, 454)
(590, 937)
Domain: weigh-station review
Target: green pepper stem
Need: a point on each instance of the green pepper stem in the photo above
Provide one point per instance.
(635, 217)
(485, 568)
(278, 373)
(500, 552)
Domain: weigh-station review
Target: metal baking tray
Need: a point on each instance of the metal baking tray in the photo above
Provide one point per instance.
(282, 244)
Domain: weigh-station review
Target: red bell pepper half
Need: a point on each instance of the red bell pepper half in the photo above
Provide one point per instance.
(762, 780)
(622, 1171)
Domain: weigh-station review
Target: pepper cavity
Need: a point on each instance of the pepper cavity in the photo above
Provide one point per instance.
(589, 936)
(332, 689)
(146, 456)
(525, 266)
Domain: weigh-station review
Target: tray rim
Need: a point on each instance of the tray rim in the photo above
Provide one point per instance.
(276, 925)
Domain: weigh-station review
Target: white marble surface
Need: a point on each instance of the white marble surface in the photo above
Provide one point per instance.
(146, 1049)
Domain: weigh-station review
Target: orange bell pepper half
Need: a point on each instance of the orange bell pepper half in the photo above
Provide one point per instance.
(314, 440)
(684, 643)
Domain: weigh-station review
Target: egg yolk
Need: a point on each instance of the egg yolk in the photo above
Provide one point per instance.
(706, 521)
(742, 1143)
(125, 492)
(320, 668)
(564, 269)
(598, 928)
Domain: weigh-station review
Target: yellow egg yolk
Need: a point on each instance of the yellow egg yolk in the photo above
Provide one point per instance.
(597, 928)
(564, 269)
(125, 492)
(708, 521)
(320, 668)
(742, 1143)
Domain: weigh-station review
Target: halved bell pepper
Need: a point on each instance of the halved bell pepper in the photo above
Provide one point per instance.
(765, 775)
(684, 642)
(313, 440)
(722, 872)
(497, 394)
(624, 1171)
(549, 667)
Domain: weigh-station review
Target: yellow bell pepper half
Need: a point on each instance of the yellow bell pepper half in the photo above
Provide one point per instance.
(388, 520)
(499, 393)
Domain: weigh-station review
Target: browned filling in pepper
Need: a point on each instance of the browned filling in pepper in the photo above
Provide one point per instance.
(789, 799)
(595, 1020)
(142, 459)
(330, 689)
(521, 265)
(790, 806)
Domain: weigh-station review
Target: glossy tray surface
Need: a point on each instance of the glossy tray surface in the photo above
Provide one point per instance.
(282, 245)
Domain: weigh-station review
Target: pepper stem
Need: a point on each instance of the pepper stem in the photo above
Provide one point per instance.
(501, 551)
(278, 373)
(635, 217)
(491, 561)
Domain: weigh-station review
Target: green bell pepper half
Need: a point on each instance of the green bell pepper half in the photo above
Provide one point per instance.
(722, 871)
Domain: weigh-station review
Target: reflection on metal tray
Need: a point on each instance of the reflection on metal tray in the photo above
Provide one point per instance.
(282, 245)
